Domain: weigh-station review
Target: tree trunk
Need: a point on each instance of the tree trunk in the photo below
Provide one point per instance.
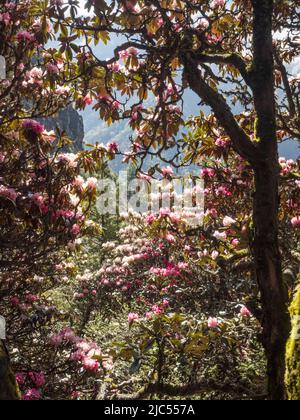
(262, 154)
(9, 390)
(276, 321)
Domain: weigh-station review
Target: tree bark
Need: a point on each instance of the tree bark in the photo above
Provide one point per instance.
(274, 296)
(276, 321)
(9, 390)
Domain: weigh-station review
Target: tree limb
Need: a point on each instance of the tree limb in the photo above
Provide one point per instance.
(190, 389)
(286, 84)
(240, 140)
(263, 77)
(234, 60)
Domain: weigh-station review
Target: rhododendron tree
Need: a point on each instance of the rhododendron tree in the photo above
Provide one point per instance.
(34, 83)
(172, 46)
(43, 206)
(189, 300)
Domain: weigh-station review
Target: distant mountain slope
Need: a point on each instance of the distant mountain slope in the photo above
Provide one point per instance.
(70, 121)
(97, 131)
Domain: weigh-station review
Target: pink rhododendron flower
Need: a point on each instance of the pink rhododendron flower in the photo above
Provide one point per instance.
(78, 182)
(33, 126)
(218, 3)
(38, 199)
(62, 90)
(55, 340)
(156, 309)
(175, 218)
(171, 89)
(75, 395)
(221, 142)
(171, 270)
(25, 36)
(145, 177)
(5, 18)
(235, 243)
(88, 100)
(68, 335)
(115, 67)
(220, 235)
(245, 312)
(170, 238)
(208, 172)
(91, 183)
(113, 147)
(215, 255)
(14, 301)
(32, 395)
(228, 221)
(203, 24)
(37, 378)
(32, 298)
(295, 221)
(130, 52)
(167, 172)
(150, 219)
(116, 105)
(52, 68)
(69, 158)
(130, 6)
(223, 191)
(164, 212)
(213, 213)
(183, 266)
(75, 230)
(20, 378)
(91, 364)
(36, 73)
(9, 193)
(213, 322)
(78, 296)
(132, 317)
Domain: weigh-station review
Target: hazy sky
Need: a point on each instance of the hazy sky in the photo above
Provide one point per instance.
(82, 3)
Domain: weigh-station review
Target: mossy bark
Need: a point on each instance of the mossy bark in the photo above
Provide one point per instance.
(293, 352)
(9, 390)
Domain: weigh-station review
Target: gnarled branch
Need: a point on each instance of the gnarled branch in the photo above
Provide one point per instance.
(240, 139)
(192, 389)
